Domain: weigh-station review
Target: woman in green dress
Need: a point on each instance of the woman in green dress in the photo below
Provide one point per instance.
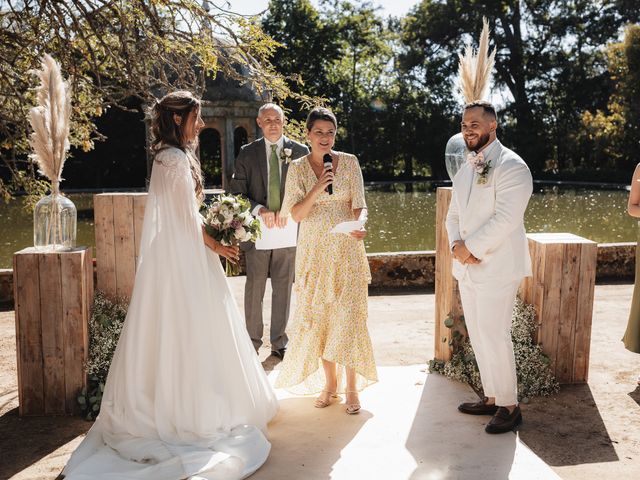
(631, 337)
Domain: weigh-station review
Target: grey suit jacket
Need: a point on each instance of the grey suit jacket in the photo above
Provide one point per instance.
(250, 172)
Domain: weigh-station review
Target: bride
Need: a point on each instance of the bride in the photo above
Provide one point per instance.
(186, 396)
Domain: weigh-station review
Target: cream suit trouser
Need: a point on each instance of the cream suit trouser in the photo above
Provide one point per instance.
(488, 309)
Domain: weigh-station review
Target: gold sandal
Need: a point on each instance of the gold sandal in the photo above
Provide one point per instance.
(325, 403)
(352, 408)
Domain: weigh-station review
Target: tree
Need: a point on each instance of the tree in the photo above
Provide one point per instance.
(118, 54)
(547, 61)
(612, 134)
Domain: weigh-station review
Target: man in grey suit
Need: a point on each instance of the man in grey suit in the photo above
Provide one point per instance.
(260, 174)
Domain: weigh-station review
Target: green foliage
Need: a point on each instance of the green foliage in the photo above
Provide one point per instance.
(612, 134)
(114, 52)
(532, 366)
(549, 65)
(105, 326)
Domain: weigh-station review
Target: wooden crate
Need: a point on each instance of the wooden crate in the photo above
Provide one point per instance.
(561, 290)
(53, 296)
(118, 227)
(447, 292)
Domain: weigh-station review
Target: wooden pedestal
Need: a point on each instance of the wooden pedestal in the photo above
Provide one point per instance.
(53, 296)
(118, 227)
(561, 290)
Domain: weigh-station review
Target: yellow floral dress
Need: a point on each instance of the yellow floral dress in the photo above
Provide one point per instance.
(332, 275)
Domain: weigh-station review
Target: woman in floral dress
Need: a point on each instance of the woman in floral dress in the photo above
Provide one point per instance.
(331, 350)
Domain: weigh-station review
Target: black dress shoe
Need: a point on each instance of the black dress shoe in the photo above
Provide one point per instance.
(503, 421)
(481, 407)
(279, 353)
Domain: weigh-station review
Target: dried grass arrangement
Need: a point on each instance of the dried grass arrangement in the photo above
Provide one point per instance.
(475, 67)
(55, 215)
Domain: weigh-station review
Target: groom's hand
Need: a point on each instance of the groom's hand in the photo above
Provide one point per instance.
(268, 217)
(462, 253)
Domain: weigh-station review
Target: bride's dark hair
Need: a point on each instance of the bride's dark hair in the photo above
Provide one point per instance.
(165, 132)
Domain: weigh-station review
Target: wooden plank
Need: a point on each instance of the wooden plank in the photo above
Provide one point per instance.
(26, 286)
(73, 270)
(139, 204)
(445, 285)
(105, 243)
(550, 312)
(52, 332)
(125, 255)
(582, 347)
(568, 310)
(537, 284)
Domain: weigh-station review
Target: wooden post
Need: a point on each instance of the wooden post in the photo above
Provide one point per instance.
(53, 296)
(447, 293)
(561, 290)
(118, 227)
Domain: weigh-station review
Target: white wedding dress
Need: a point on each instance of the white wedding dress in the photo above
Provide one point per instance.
(186, 396)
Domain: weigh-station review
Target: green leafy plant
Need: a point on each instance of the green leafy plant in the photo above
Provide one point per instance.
(105, 326)
(532, 365)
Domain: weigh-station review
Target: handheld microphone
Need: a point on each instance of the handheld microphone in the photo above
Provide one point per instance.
(328, 165)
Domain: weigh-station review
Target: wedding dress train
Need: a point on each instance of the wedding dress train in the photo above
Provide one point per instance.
(186, 396)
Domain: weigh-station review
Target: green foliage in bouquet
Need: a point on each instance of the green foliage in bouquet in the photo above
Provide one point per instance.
(534, 375)
(105, 326)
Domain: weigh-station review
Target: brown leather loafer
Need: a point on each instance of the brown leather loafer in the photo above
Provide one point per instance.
(481, 407)
(503, 421)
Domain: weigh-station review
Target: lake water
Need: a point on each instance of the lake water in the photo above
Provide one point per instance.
(399, 220)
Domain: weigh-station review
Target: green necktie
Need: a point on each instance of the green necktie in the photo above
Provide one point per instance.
(274, 180)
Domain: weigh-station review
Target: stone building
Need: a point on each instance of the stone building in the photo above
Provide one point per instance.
(229, 111)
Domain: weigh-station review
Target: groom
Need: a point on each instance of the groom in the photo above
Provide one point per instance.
(485, 224)
(260, 174)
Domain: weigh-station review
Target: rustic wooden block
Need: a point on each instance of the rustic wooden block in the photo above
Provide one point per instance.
(118, 228)
(561, 290)
(447, 292)
(26, 284)
(54, 294)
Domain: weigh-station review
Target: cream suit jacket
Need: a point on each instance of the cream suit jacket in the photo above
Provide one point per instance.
(490, 217)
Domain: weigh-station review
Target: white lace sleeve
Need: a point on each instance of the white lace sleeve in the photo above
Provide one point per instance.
(174, 160)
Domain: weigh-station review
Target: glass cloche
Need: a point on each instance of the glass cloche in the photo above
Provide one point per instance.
(455, 154)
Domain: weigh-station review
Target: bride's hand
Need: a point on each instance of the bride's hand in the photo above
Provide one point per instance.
(231, 253)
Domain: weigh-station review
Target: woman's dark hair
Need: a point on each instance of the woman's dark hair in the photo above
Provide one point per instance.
(320, 113)
(165, 132)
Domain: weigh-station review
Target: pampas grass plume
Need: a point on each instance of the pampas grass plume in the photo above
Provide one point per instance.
(475, 68)
(50, 121)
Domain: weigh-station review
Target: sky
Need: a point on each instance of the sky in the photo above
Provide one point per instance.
(249, 7)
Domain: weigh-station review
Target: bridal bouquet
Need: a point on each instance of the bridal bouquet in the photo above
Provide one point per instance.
(228, 219)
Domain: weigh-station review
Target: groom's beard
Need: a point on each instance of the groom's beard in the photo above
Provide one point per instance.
(482, 141)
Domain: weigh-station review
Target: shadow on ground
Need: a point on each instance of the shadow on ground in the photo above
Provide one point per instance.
(568, 429)
(25, 440)
(635, 395)
(463, 450)
(300, 429)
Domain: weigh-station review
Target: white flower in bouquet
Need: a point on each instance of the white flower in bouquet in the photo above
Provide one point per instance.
(240, 234)
(247, 218)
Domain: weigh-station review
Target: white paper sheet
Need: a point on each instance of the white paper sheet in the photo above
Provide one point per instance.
(348, 227)
(273, 238)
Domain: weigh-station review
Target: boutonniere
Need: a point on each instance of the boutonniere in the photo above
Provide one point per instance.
(480, 165)
(285, 155)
